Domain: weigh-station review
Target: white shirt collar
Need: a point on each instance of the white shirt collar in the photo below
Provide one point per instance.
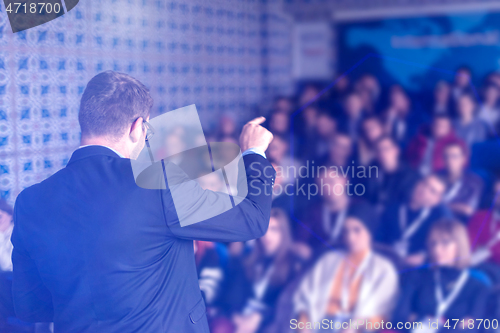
(116, 152)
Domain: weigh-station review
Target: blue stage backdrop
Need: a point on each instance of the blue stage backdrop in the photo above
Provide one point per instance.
(444, 42)
(223, 56)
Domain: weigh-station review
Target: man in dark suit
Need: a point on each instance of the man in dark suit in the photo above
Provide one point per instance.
(94, 252)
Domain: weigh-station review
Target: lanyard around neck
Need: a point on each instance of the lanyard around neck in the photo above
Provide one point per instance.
(409, 229)
(334, 231)
(346, 281)
(444, 303)
(453, 192)
(260, 286)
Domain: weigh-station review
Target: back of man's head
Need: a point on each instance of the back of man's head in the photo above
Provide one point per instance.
(110, 103)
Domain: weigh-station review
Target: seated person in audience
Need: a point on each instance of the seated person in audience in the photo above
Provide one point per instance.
(227, 128)
(425, 151)
(493, 78)
(447, 288)
(484, 231)
(407, 223)
(308, 94)
(394, 176)
(351, 115)
(401, 121)
(210, 259)
(462, 82)
(341, 87)
(283, 104)
(464, 188)
(305, 125)
(371, 130)
(279, 153)
(6, 226)
(489, 111)
(468, 126)
(281, 192)
(323, 220)
(325, 130)
(258, 280)
(368, 88)
(279, 123)
(441, 103)
(349, 283)
(340, 150)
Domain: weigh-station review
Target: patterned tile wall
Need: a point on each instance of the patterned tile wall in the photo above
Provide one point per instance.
(222, 55)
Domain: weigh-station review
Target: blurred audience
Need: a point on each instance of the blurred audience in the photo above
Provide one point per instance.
(407, 223)
(470, 128)
(489, 111)
(425, 151)
(464, 188)
(400, 120)
(395, 177)
(484, 231)
(340, 150)
(253, 290)
(323, 220)
(441, 102)
(371, 129)
(352, 115)
(371, 179)
(447, 288)
(350, 283)
(462, 83)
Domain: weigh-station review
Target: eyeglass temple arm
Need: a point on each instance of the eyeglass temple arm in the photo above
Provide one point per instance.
(150, 152)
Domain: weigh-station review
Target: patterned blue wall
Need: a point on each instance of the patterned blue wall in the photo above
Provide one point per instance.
(222, 55)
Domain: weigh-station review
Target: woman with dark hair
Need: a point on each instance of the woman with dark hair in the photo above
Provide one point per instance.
(354, 283)
(447, 289)
(268, 268)
(372, 130)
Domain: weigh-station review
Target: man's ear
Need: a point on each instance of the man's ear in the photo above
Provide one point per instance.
(136, 131)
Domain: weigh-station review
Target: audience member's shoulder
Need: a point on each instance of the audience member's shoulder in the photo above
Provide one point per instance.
(480, 216)
(360, 203)
(330, 257)
(479, 279)
(383, 262)
(416, 276)
(473, 178)
(441, 211)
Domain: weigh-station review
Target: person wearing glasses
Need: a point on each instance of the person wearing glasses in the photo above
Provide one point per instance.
(94, 252)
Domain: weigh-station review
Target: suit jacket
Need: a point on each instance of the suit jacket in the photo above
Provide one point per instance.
(94, 252)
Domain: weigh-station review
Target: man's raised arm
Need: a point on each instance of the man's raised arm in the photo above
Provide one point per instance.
(247, 220)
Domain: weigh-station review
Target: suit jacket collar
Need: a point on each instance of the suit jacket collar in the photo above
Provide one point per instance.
(87, 151)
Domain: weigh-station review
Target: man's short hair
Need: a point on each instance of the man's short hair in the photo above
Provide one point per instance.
(387, 137)
(441, 117)
(440, 178)
(111, 102)
(457, 143)
(468, 94)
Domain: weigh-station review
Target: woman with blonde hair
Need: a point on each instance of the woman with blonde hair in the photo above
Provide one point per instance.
(447, 289)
